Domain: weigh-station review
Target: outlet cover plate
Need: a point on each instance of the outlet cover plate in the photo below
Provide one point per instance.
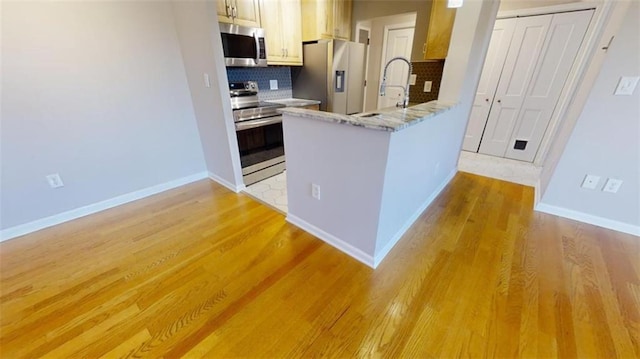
(273, 84)
(54, 180)
(627, 85)
(427, 86)
(612, 185)
(315, 191)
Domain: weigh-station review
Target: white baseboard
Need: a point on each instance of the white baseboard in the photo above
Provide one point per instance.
(380, 255)
(224, 182)
(588, 218)
(332, 240)
(42, 223)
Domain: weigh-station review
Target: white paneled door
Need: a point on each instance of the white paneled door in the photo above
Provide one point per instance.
(556, 59)
(493, 63)
(528, 38)
(398, 43)
(528, 62)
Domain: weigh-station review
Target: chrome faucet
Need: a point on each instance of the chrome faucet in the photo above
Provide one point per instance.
(384, 85)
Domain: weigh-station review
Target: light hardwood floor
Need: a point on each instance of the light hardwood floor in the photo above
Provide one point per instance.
(203, 272)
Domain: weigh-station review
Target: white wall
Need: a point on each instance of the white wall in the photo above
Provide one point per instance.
(95, 91)
(350, 174)
(506, 5)
(421, 161)
(199, 36)
(605, 140)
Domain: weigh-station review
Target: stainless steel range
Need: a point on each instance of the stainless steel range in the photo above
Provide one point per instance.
(259, 132)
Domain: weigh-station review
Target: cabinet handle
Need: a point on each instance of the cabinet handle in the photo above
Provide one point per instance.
(227, 8)
(286, 52)
(234, 11)
(486, 99)
(499, 101)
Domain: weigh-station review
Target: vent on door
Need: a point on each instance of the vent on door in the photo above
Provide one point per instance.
(520, 145)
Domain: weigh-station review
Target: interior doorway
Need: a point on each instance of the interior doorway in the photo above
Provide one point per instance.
(397, 41)
(363, 36)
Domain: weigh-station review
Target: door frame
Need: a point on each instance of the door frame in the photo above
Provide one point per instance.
(360, 26)
(385, 38)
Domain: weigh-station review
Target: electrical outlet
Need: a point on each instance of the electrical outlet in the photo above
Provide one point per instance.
(54, 180)
(207, 80)
(412, 79)
(612, 185)
(590, 181)
(315, 191)
(427, 86)
(273, 84)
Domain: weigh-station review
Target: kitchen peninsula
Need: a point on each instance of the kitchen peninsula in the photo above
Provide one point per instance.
(358, 182)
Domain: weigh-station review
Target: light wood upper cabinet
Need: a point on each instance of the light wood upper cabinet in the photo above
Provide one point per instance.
(439, 33)
(342, 19)
(240, 12)
(326, 19)
(282, 24)
(292, 30)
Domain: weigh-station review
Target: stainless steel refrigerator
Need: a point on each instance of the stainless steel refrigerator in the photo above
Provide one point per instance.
(333, 73)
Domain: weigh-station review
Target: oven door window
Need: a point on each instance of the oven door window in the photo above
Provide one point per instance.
(260, 144)
(239, 46)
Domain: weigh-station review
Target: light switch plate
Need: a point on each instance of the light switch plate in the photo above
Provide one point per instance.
(273, 84)
(427, 86)
(207, 80)
(627, 85)
(412, 79)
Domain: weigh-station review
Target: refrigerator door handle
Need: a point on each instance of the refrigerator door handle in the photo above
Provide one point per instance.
(339, 81)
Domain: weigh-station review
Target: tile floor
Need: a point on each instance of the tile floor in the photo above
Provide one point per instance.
(272, 191)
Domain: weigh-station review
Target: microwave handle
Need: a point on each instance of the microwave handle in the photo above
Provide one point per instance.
(257, 59)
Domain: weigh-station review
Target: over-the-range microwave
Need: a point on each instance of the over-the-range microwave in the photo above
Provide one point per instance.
(243, 46)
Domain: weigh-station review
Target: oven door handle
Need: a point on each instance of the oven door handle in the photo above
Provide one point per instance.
(246, 125)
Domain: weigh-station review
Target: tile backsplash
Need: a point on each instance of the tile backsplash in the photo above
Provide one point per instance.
(426, 71)
(263, 75)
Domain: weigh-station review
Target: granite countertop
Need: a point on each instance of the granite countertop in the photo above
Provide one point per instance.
(390, 119)
(296, 102)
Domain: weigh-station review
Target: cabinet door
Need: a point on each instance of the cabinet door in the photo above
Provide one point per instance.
(493, 64)
(317, 19)
(554, 63)
(247, 12)
(528, 39)
(325, 18)
(291, 26)
(224, 11)
(272, 24)
(439, 32)
(342, 19)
